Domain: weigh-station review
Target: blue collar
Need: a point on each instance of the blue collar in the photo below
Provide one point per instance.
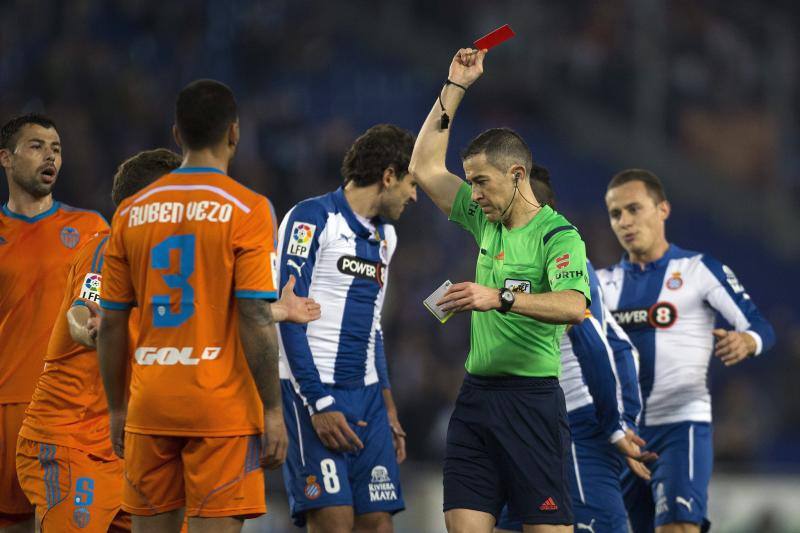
(357, 227)
(671, 253)
(197, 170)
(30, 220)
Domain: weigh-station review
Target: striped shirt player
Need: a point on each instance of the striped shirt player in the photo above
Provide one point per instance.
(669, 309)
(600, 384)
(337, 363)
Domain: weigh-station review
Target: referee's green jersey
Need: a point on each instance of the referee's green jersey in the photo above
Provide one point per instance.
(545, 255)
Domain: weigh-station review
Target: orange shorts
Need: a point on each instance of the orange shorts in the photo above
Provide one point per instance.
(13, 500)
(210, 476)
(72, 490)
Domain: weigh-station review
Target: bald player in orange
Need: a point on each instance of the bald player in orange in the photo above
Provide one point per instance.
(38, 238)
(65, 463)
(195, 251)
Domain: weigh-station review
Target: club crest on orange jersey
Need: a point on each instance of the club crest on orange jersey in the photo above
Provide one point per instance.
(675, 282)
(312, 490)
(70, 237)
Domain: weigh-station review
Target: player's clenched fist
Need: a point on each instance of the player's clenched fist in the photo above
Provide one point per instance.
(275, 440)
(117, 432)
(467, 66)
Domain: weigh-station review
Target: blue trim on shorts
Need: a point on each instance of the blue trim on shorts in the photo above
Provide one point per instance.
(47, 454)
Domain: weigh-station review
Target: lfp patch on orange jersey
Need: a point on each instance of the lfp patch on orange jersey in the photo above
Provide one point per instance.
(69, 405)
(183, 250)
(35, 254)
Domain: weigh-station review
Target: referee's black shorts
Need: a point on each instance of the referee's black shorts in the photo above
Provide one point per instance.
(508, 442)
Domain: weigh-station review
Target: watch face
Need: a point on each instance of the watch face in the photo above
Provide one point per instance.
(507, 296)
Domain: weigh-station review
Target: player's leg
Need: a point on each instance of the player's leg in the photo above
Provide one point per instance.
(224, 481)
(153, 492)
(332, 519)
(529, 425)
(507, 523)
(680, 485)
(121, 523)
(16, 512)
(595, 486)
(373, 523)
(225, 524)
(166, 522)
(317, 479)
(374, 473)
(10, 523)
(72, 490)
(679, 527)
(473, 495)
(468, 521)
(638, 499)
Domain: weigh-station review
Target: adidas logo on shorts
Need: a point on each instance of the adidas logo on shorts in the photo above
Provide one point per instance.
(548, 505)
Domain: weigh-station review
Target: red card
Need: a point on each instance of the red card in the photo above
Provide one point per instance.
(492, 39)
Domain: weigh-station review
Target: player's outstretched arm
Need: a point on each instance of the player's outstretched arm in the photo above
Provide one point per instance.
(430, 149)
(293, 308)
(260, 343)
(112, 352)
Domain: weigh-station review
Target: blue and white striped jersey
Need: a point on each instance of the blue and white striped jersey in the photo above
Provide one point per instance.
(599, 369)
(669, 308)
(343, 265)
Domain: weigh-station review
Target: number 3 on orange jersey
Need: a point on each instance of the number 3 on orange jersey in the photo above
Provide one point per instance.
(163, 317)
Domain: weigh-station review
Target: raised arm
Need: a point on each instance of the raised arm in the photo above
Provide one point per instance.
(428, 159)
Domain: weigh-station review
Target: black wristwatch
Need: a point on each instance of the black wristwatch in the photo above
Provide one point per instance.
(506, 300)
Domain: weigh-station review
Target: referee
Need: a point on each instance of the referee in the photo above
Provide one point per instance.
(508, 440)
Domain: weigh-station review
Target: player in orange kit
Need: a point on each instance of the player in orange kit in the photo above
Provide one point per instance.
(194, 251)
(38, 238)
(65, 463)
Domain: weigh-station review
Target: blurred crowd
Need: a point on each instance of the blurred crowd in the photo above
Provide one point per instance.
(310, 75)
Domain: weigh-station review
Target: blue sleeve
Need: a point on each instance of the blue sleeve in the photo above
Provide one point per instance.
(626, 359)
(596, 307)
(299, 246)
(729, 298)
(380, 360)
(596, 362)
(595, 358)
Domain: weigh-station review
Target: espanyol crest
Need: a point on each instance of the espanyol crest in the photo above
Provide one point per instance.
(70, 237)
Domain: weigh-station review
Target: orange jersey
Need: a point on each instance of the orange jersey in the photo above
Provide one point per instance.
(35, 254)
(69, 405)
(183, 249)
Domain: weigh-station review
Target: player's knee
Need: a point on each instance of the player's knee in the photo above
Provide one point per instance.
(338, 519)
(373, 523)
(455, 523)
(20, 523)
(678, 527)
